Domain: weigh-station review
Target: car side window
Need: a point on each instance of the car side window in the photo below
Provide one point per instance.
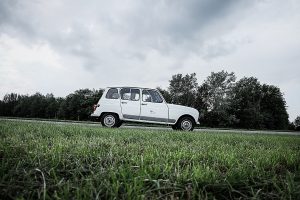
(155, 96)
(146, 97)
(125, 93)
(112, 93)
(135, 95)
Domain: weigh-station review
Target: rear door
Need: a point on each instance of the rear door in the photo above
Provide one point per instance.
(130, 103)
(153, 108)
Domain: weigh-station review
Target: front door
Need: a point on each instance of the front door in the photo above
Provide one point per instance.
(153, 108)
(130, 103)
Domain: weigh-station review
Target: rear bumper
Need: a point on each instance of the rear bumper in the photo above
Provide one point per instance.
(94, 115)
(94, 118)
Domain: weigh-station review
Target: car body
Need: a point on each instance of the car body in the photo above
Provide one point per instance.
(147, 105)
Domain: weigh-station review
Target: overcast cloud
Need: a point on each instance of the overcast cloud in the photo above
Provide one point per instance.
(59, 46)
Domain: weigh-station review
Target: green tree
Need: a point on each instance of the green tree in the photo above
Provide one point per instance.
(62, 109)
(213, 99)
(9, 102)
(297, 123)
(183, 89)
(245, 103)
(273, 108)
(37, 105)
(2, 104)
(166, 94)
(22, 108)
(52, 106)
(258, 106)
(79, 105)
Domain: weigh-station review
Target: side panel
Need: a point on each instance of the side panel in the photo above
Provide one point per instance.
(154, 108)
(176, 111)
(130, 103)
(108, 105)
(156, 112)
(176, 114)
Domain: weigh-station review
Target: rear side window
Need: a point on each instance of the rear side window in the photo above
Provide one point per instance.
(130, 94)
(112, 93)
(125, 93)
(135, 95)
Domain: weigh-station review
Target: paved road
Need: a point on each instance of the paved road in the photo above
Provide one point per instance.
(161, 128)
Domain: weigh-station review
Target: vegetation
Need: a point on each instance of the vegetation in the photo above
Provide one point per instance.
(76, 106)
(221, 100)
(296, 123)
(50, 161)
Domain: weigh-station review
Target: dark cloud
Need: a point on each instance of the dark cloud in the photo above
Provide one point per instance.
(178, 24)
(168, 26)
(6, 7)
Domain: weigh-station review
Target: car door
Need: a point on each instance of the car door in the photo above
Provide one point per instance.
(130, 103)
(153, 107)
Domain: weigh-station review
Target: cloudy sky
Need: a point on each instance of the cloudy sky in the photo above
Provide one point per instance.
(59, 46)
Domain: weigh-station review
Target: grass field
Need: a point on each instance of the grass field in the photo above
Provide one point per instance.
(49, 161)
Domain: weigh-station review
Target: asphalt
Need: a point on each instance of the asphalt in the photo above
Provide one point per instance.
(162, 128)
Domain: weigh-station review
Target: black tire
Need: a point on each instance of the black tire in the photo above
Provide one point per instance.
(119, 124)
(110, 120)
(174, 127)
(186, 124)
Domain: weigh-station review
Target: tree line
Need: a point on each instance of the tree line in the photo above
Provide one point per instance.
(76, 106)
(221, 100)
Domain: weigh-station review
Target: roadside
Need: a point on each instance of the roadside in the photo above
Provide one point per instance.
(154, 127)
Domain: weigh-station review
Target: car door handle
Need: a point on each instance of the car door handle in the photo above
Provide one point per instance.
(144, 104)
(123, 102)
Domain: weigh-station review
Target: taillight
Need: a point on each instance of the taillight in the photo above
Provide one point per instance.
(94, 107)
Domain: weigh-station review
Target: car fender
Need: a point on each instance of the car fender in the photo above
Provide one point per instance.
(107, 105)
(176, 111)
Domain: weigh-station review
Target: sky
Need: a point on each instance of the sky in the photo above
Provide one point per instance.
(60, 46)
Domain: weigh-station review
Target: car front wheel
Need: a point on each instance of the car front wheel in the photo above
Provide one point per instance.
(110, 120)
(186, 124)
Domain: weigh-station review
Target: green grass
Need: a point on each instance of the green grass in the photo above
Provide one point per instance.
(88, 162)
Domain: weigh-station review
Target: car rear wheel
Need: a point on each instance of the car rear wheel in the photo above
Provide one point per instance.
(186, 124)
(110, 120)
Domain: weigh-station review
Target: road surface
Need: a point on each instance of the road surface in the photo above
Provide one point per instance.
(159, 128)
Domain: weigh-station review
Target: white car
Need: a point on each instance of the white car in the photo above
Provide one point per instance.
(135, 104)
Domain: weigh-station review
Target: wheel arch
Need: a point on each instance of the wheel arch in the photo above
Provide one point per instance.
(186, 115)
(103, 113)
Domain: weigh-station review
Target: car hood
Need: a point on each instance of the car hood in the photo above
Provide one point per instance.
(180, 107)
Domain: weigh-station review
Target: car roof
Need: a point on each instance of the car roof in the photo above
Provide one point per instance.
(134, 87)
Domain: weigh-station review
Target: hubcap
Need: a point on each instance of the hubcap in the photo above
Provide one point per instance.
(186, 125)
(109, 120)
